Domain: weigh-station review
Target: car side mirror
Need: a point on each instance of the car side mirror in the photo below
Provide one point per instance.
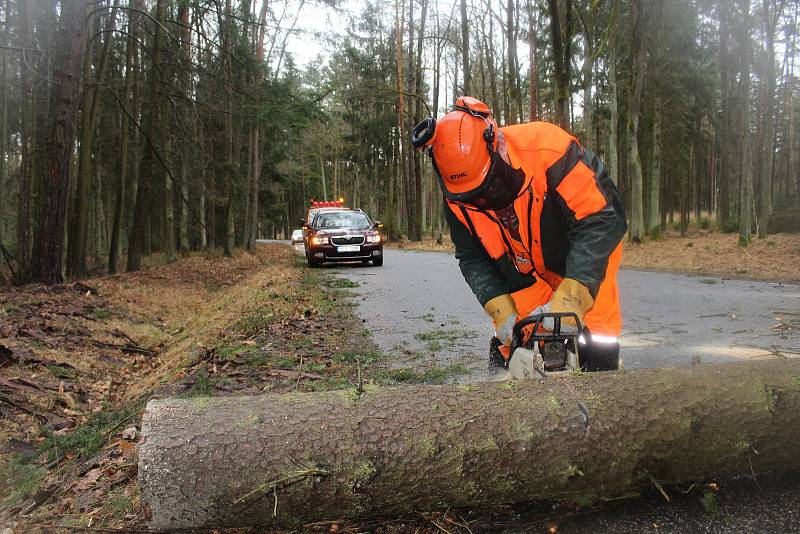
(302, 222)
(378, 224)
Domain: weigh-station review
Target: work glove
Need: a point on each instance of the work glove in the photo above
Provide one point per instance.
(571, 296)
(503, 312)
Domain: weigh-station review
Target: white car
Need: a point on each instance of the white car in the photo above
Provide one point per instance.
(297, 236)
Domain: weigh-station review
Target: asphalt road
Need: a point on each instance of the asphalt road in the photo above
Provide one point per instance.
(670, 320)
(421, 311)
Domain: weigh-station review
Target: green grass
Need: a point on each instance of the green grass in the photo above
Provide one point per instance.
(328, 384)
(90, 437)
(449, 335)
(19, 479)
(314, 367)
(203, 384)
(433, 345)
(709, 502)
(256, 359)
(339, 282)
(101, 314)
(118, 504)
(365, 358)
(285, 362)
(64, 373)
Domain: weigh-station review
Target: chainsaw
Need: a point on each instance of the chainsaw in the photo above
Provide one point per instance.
(536, 352)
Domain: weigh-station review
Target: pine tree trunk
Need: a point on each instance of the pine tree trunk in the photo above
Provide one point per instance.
(288, 460)
(465, 47)
(138, 242)
(560, 74)
(3, 136)
(654, 214)
(768, 107)
(636, 228)
(231, 159)
(613, 108)
(416, 234)
(47, 260)
(533, 108)
(746, 142)
(724, 134)
(115, 249)
(28, 159)
(4, 122)
(79, 223)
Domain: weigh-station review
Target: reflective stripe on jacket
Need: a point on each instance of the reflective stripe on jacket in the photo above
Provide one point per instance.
(570, 216)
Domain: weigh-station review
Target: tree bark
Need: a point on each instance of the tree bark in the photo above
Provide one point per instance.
(636, 229)
(147, 174)
(561, 74)
(613, 107)
(465, 47)
(724, 135)
(115, 249)
(288, 460)
(746, 143)
(533, 104)
(48, 257)
(768, 110)
(28, 165)
(514, 116)
(4, 119)
(79, 218)
(653, 215)
(415, 229)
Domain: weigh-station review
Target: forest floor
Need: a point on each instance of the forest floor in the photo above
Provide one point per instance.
(79, 361)
(775, 258)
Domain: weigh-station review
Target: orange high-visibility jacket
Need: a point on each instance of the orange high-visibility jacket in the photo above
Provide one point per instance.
(570, 217)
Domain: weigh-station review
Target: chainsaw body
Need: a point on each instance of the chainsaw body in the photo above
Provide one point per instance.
(536, 352)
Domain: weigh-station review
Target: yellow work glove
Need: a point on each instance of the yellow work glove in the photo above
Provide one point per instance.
(503, 312)
(570, 296)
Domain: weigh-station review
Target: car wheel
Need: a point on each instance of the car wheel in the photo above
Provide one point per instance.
(313, 263)
(377, 262)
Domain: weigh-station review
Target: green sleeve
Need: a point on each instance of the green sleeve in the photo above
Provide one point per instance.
(478, 269)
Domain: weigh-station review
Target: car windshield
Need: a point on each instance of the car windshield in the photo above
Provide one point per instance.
(342, 219)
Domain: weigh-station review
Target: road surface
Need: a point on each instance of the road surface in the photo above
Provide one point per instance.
(419, 307)
(422, 313)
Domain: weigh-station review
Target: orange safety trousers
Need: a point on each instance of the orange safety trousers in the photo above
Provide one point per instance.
(604, 318)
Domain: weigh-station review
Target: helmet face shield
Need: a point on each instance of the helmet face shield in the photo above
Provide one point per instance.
(499, 188)
(464, 148)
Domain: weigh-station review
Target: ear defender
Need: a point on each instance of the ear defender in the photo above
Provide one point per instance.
(488, 134)
(423, 133)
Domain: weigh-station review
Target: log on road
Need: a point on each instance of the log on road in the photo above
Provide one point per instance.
(292, 459)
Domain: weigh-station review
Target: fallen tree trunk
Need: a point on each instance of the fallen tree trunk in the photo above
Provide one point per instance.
(287, 460)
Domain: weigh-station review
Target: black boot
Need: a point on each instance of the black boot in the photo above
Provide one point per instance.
(596, 356)
(496, 359)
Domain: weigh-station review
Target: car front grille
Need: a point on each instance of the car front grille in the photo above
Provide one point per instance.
(348, 240)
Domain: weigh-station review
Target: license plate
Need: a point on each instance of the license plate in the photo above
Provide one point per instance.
(348, 248)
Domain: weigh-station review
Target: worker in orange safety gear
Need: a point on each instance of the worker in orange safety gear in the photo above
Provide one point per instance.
(536, 222)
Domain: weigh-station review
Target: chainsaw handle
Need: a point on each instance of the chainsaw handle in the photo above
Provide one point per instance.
(518, 336)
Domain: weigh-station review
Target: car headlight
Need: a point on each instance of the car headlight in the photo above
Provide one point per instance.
(319, 240)
(374, 238)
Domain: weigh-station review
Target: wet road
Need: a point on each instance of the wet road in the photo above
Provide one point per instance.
(417, 305)
(421, 311)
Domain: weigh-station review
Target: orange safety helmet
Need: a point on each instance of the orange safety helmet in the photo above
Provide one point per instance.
(463, 145)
